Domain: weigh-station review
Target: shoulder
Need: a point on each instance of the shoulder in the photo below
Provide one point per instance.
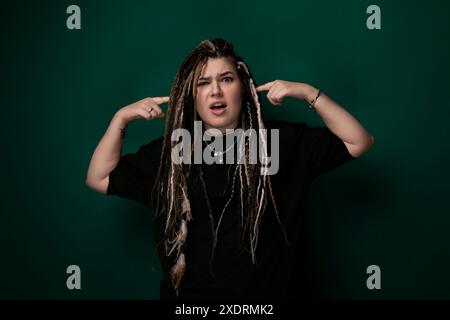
(300, 132)
(154, 145)
(287, 129)
(148, 152)
(282, 124)
(299, 129)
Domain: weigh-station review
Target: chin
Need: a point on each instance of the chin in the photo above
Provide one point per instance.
(219, 124)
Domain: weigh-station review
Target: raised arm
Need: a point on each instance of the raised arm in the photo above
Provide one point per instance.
(108, 151)
(337, 119)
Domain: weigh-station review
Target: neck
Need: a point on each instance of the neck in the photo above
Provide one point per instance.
(218, 132)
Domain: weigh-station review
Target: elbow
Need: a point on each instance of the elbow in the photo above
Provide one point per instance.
(367, 145)
(100, 186)
(89, 182)
(359, 149)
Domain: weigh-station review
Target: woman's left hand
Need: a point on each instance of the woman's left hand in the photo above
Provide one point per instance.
(280, 89)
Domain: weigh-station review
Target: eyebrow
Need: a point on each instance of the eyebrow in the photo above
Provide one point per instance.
(221, 75)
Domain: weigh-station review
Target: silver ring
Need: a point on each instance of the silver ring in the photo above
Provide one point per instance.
(149, 109)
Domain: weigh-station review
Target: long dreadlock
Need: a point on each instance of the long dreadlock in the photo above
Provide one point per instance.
(170, 191)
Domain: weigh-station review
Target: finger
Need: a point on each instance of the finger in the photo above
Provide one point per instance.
(273, 101)
(160, 100)
(145, 115)
(157, 110)
(154, 110)
(273, 90)
(277, 102)
(277, 95)
(265, 87)
(158, 113)
(271, 93)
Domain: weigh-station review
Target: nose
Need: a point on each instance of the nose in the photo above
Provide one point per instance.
(216, 90)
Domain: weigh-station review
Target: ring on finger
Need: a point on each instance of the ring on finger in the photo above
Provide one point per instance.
(149, 109)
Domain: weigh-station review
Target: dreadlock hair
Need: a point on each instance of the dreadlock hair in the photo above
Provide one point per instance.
(170, 192)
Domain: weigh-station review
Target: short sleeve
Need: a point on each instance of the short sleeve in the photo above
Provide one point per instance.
(135, 174)
(323, 150)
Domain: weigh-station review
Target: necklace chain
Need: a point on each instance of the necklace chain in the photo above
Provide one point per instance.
(216, 153)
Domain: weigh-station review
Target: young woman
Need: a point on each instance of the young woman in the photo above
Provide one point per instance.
(226, 230)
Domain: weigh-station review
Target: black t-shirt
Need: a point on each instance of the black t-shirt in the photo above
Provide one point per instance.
(305, 153)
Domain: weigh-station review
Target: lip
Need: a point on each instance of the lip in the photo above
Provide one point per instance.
(218, 112)
(219, 101)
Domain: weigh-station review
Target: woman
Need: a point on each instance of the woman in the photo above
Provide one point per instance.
(226, 230)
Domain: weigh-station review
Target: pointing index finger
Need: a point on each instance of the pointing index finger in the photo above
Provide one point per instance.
(265, 87)
(160, 100)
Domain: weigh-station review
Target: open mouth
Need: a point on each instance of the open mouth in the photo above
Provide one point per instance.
(218, 106)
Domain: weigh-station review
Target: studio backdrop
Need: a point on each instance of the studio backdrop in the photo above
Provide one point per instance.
(68, 66)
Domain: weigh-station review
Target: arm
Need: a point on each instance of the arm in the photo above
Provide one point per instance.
(341, 122)
(108, 151)
(337, 119)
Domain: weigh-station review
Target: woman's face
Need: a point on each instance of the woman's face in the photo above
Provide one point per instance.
(218, 94)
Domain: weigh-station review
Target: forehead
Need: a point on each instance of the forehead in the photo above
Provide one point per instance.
(217, 65)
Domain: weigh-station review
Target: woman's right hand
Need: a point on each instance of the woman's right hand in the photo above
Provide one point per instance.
(146, 109)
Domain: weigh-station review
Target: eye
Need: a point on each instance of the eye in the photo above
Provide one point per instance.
(202, 83)
(229, 79)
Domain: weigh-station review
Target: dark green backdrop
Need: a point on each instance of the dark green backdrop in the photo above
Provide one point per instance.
(60, 89)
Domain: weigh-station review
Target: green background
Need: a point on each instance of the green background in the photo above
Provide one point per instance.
(60, 88)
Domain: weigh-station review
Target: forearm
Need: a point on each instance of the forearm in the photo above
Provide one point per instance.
(340, 121)
(107, 154)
